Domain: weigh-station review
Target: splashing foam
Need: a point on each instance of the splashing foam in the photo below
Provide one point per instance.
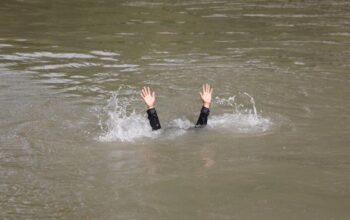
(244, 118)
(119, 125)
(122, 126)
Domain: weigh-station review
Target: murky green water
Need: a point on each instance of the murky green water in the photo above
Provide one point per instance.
(74, 138)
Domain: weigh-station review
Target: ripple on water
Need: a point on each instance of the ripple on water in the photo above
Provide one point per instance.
(167, 33)
(53, 75)
(121, 65)
(37, 55)
(67, 65)
(109, 59)
(59, 81)
(56, 55)
(215, 16)
(104, 53)
(344, 34)
(121, 34)
(5, 45)
(14, 57)
(282, 15)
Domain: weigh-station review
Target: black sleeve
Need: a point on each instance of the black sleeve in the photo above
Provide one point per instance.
(153, 119)
(203, 118)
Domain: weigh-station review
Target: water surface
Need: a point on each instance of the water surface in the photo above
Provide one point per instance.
(75, 141)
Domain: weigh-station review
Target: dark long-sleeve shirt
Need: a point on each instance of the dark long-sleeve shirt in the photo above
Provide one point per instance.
(203, 118)
(155, 124)
(153, 119)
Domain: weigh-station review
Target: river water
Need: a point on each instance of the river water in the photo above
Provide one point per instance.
(75, 142)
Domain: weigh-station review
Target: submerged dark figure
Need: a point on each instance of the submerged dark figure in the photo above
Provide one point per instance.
(150, 99)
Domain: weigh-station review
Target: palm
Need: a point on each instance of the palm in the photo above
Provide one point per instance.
(206, 95)
(148, 96)
(149, 100)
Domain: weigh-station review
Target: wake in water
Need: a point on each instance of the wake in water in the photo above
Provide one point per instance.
(118, 124)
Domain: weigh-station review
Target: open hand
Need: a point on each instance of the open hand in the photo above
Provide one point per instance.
(206, 95)
(148, 96)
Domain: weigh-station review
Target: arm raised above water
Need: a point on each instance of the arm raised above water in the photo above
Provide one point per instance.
(150, 100)
(205, 95)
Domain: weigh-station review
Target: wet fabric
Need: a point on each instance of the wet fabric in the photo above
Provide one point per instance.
(155, 124)
(203, 117)
(153, 119)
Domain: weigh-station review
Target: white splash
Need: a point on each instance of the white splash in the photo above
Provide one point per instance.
(119, 125)
(243, 119)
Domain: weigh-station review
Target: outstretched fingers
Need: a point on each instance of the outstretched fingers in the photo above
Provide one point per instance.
(143, 92)
(205, 94)
(206, 88)
(146, 91)
(148, 96)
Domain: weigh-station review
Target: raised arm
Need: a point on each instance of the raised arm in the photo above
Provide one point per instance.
(205, 95)
(150, 99)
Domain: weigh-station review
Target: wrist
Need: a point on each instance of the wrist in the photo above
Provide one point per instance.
(150, 107)
(206, 104)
